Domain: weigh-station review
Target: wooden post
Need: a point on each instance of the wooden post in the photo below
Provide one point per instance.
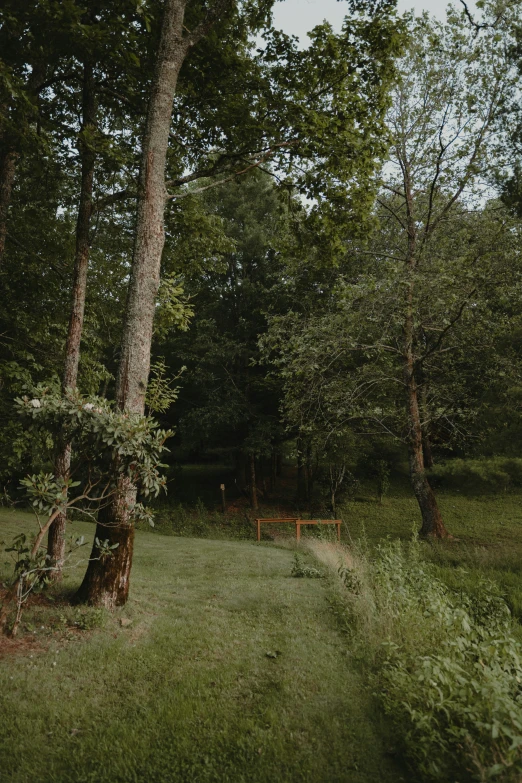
(339, 531)
(298, 531)
(223, 500)
(258, 529)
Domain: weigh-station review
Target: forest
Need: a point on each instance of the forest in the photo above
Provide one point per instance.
(246, 277)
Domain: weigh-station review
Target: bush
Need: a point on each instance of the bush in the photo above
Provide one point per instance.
(496, 474)
(445, 665)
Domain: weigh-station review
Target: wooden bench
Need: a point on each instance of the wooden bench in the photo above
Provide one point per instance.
(298, 523)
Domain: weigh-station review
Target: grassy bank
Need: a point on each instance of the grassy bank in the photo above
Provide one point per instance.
(225, 669)
(445, 663)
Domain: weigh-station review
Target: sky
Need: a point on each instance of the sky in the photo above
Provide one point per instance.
(297, 17)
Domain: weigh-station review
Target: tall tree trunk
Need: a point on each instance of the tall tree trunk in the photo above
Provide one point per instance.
(9, 154)
(56, 538)
(426, 442)
(432, 524)
(253, 485)
(106, 582)
(301, 489)
(7, 174)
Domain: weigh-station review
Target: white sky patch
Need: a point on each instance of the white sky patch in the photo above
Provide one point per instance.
(298, 17)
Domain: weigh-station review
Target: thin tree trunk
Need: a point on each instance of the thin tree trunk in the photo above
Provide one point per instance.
(7, 175)
(432, 524)
(273, 470)
(56, 538)
(253, 486)
(9, 156)
(309, 479)
(427, 451)
(107, 583)
(426, 442)
(301, 489)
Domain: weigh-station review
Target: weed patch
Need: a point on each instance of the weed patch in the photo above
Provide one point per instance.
(446, 665)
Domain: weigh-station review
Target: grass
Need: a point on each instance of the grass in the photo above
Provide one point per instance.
(229, 670)
(487, 531)
(487, 528)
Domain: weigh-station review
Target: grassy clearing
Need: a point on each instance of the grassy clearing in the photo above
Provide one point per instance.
(229, 670)
(487, 527)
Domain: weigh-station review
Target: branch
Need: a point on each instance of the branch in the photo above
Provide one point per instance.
(392, 211)
(447, 328)
(226, 161)
(45, 261)
(253, 165)
(213, 14)
(112, 198)
(477, 25)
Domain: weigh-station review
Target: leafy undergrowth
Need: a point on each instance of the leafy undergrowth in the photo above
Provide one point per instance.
(446, 664)
(222, 667)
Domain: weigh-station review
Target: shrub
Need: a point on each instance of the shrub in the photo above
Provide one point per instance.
(445, 665)
(496, 474)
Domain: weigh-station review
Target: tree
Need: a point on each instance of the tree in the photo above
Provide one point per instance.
(397, 317)
(108, 583)
(102, 68)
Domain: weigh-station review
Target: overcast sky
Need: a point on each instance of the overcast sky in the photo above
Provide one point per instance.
(297, 17)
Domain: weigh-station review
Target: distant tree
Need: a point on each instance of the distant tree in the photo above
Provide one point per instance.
(397, 318)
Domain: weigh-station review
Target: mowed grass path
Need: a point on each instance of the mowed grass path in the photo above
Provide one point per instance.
(186, 691)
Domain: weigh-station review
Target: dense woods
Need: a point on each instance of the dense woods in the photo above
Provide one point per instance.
(306, 254)
(251, 279)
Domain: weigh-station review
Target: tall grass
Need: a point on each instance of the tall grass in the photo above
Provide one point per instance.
(445, 665)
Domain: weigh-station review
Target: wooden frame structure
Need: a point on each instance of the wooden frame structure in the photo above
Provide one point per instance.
(298, 523)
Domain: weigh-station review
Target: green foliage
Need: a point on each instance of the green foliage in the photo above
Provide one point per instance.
(160, 392)
(446, 665)
(477, 476)
(99, 432)
(302, 570)
(174, 309)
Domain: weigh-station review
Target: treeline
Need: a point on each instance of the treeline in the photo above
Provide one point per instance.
(318, 245)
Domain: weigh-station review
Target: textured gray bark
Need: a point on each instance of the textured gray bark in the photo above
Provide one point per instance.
(107, 583)
(56, 537)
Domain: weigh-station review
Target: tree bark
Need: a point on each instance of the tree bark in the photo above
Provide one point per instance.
(301, 489)
(7, 174)
(426, 442)
(9, 155)
(432, 524)
(107, 583)
(253, 485)
(56, 538)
